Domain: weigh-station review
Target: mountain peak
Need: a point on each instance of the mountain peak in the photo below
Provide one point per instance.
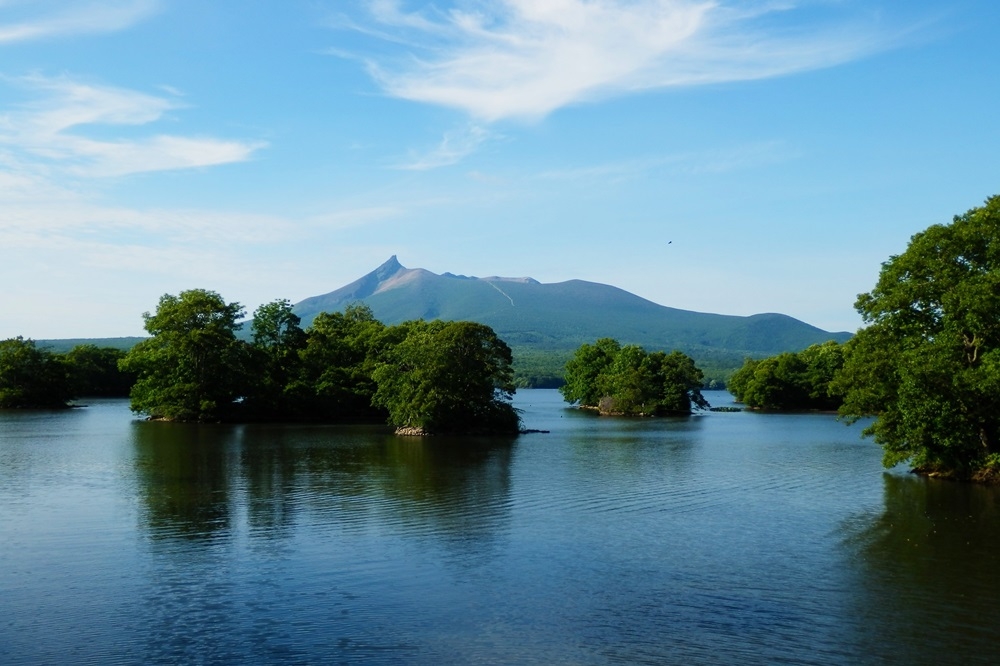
(388, 269)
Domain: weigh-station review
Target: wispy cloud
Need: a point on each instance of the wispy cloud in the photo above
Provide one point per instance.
(525, 59)
(26, 20)
(454, 147)
(50, 133)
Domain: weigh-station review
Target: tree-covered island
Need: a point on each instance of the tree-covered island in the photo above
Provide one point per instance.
(422, 377)
(627, 380)
(791, 381)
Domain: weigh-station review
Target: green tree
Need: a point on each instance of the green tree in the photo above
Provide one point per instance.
(584, 372)
(628, 380)
(31, 377)
(338, 360)
(739, 382)
(681, 381)
(278, 340)
(791, 380)
(628, 385)
(192, 368)
(94, 371)
(777, 383)
(928, 362)
(277, 330)
(823, 362)
(447, 377)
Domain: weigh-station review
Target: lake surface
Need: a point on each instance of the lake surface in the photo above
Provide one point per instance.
(720, 538)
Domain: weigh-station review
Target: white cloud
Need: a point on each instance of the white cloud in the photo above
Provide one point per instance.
(525, 59)
(49, 134)
(454, 147)
(40, 19)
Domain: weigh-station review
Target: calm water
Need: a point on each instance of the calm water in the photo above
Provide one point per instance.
(721, 538)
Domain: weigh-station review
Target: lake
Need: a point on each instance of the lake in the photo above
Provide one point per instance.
(717, 539)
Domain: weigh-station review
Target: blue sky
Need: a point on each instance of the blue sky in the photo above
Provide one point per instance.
(714, 155)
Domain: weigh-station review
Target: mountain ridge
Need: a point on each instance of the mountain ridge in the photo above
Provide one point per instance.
(560, 316)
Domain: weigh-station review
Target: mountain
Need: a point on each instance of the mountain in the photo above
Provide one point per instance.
(559, 317)
(545, 323)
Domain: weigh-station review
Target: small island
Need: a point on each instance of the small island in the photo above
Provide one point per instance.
(617, 380)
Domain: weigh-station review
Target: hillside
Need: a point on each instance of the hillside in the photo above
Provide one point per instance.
(549, 321)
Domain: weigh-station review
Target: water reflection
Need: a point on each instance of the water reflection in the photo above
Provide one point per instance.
(200, 481)
(183, 478)
(930, 571)
(627, 446)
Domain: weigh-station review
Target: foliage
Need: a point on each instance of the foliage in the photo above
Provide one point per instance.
(447, 377)
(534, 368)
(192, 368)
(337, 364)
(628, 380)
(928, 363)
(586, 372)
(94, 371)
(439, 376)
(31, 377)
(278, 340)
(789, 381)
(540, 368)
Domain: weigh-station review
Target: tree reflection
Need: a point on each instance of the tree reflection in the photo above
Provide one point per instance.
(451, 488)
(183, 478)
(195, 480)
(930, 571)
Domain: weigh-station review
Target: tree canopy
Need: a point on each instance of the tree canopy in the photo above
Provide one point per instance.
(928, 362)
(790, 381)
(631, 381)
(275, 351)
(94, 371)
(192, 368)
(447, 377)
(337, 363)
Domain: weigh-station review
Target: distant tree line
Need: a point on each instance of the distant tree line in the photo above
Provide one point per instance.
(628, 380)
(792, 380)
(546, 368)
(34, 377)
